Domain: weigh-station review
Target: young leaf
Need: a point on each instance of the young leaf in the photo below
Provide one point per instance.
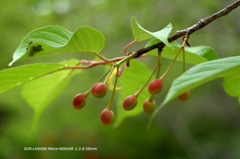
(13, 77)
(199, 75)
(132, 80)
(54, 39)
(41, 92)
(142, 34)
(231, 84)
(193, 55)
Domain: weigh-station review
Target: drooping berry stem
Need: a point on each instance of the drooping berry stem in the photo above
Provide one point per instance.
(140, 90)
(182, 47)
(183, 59)
(159, 61)
(164, 75)
(114, 88)
(109, 74)
(89, 91)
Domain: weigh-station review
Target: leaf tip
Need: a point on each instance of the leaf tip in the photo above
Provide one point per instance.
(133, 18)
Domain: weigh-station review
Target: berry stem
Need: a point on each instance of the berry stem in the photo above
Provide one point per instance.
(182, 47)
(150, 99)
(159, 61)
(140, 90)
(109, 73)
(183, 59)
(89, 91)
(114, 88)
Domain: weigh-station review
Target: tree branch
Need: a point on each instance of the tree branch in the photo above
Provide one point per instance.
(202, 23)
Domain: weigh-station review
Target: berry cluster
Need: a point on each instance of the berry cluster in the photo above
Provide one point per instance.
(99, 90)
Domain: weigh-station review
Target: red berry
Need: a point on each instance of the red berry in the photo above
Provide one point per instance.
(99, 90)
(148, 106)
(79, 101)
(155, 86)
(183, 97)
(107, 116)
(130, 102)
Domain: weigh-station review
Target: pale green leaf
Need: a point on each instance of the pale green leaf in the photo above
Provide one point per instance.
(131, 80)
(54, 39)
(16, 76)
(199, 75)
(142, 34)
(193, 55)
(41, 92)
(138, 31)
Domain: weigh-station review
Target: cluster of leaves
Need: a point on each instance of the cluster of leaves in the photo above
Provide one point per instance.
(43, 82)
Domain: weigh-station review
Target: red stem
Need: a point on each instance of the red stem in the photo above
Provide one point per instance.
(130, 44)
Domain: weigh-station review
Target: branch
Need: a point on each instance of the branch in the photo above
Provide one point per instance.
(202, 23)
(95, 63)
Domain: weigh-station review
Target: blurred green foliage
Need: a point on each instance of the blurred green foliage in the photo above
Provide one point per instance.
(207, 126)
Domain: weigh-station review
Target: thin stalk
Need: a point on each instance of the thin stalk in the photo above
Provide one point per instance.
(130, 44)
(140, 90)
(110, 71)
(164, 75)
(101, 57)
(114, 88)
(182, 47)
(89, 91)
(159, 61)
(183, 59)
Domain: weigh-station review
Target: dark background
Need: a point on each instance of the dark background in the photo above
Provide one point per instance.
(207, 126)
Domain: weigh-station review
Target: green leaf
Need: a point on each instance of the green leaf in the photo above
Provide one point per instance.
(16, 76)
(54, 39)
(142, 34)
(131, 80)
(231, 84)
(199, 75)
(193, 55)
(41, 92)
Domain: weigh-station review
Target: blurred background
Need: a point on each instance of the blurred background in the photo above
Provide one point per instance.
(206, 126)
